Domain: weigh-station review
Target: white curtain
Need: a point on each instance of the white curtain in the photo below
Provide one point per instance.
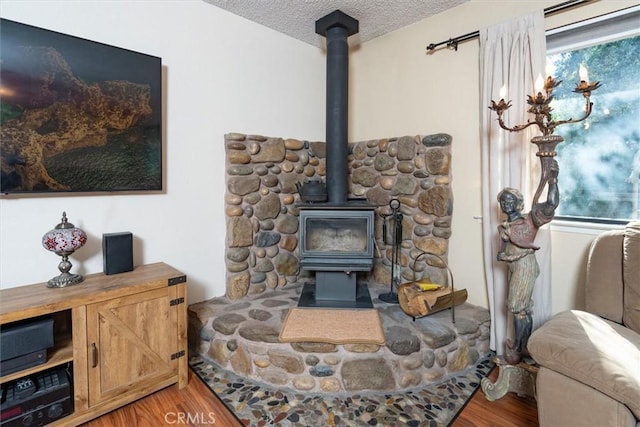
(512, 54)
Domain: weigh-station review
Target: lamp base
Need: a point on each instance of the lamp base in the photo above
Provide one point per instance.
(64, 279)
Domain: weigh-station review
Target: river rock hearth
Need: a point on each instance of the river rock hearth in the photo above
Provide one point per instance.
(242, 337)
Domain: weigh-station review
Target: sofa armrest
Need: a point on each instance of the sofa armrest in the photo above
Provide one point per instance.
(593, 351)
(604, 282)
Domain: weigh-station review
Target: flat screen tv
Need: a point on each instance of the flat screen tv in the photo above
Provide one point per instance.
(77, 115)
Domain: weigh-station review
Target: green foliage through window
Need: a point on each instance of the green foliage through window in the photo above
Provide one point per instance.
(600, 158)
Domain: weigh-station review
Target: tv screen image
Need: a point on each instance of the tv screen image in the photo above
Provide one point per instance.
(77, 115)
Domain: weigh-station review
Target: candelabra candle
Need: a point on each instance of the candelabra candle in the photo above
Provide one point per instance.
(539, 104)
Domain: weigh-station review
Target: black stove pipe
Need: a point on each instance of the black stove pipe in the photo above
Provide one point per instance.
(337, 27)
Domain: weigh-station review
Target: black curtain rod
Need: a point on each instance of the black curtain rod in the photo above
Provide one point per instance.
(452, 43)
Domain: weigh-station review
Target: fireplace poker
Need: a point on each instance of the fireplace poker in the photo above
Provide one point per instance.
(396, 239)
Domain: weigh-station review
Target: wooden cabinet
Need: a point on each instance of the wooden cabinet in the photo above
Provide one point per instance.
(125, 335)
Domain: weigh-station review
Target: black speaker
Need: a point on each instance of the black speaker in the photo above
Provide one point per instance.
(117, 252)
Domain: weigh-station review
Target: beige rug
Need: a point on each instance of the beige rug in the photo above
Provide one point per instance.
(332, 325)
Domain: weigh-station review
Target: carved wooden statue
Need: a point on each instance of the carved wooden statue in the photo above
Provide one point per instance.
(517, 234)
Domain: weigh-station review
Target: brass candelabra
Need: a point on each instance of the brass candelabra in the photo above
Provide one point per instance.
(539, 106)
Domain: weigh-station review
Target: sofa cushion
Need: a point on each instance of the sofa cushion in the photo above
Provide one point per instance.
(599, 353)
(631, 276)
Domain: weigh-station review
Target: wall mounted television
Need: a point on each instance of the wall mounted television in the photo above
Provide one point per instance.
(77, 115)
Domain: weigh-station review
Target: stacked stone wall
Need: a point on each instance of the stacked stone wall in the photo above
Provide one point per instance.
(262, 217)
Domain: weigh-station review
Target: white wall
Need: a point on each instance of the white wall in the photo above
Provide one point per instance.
(222, 74)
(398, 88)
(225, 74)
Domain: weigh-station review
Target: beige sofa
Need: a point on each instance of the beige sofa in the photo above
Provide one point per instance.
(590, 360)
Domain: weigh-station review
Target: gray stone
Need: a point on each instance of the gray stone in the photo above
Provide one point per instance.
(253, 198)
(270, 181)
(227, 323)
(378, 196)
(367, 177)
(207, 334)
(234, 136)
(466, 326)
(437, 140)
(242, 185)
(286, 264)
(422, 230)
(401, 341)
(269, 207)
(260, 332)
(367, 374)
(261, 170)
(434, 333)
(318, 149)
(240, 170)
(361, 348)
(232, 345)
(237, 267)
(266, 238)
(272, 150)
(288, 225)
(383, 162)
(428, 359)
(312, 360)
(321, 371)
(406, 148)
(411, 362)
(237, 254)
(404, 185)
(444, 233)
(267, 225)
(274, 303)
(258, 277)
(237, 307)
(441, 358)
(274, 377)
(313, 347)
(263, 266)
(291, 363)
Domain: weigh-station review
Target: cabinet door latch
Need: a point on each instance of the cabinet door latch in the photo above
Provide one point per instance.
(178, 355)
(176, 301)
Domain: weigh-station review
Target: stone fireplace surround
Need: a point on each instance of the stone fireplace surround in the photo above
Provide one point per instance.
(262, 217)
(239, 332)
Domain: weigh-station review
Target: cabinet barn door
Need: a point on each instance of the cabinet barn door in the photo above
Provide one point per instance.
(131, 344)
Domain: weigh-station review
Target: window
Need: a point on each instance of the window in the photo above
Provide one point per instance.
(600, 158)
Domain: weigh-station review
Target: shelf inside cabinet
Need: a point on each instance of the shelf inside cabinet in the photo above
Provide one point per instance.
(61, 353)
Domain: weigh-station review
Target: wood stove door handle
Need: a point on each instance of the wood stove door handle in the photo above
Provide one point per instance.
(94, 355)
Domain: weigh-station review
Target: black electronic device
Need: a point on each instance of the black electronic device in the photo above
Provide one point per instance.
(117, 252)
(24, 344)
(36, 400)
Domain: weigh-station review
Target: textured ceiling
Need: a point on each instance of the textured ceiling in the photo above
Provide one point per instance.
(297, 18)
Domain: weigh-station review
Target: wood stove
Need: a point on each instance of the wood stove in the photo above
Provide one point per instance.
(336, 241)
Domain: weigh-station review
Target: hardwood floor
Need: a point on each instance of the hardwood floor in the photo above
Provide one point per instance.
(197, 406)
